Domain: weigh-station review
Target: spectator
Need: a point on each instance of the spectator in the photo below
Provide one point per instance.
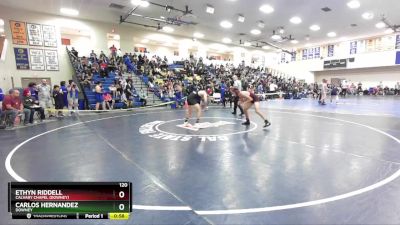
(99, 95)
(33, 105)
(73, 97)
(13, 107)
(45, 96)
(108, 100)
(74, 52)
(34, 91)
(65, 93)
(143, 97)
(397, 88)
(58, 96)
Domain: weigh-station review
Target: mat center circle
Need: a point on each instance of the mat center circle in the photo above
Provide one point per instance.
(208, 126)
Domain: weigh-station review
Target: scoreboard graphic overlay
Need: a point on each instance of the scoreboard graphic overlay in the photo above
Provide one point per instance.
(70, 200)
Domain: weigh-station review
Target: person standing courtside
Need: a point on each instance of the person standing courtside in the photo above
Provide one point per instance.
(238, 85)
(44, 94)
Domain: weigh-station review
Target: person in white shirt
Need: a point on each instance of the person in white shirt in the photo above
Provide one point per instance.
(272, 89)
(44, 94)
(324, 91)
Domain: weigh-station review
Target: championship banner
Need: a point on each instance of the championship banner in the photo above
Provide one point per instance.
(317, 53)
(310, 53)
(49, 36)
(21, 58)
(37, 59)
(51, 60)
(370, 45)
(18, 31)
(305, 54)
(353, 47)
(283, 57)
(294, 56)
(398, 41)
(35, 35)
(331, 49)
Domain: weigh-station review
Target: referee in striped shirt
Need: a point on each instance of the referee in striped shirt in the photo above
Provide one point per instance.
(237, 84)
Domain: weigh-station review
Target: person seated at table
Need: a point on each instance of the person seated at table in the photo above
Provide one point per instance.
(33, 105)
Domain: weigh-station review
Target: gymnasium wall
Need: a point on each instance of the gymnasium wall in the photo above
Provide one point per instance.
(369, 77)
(377, 61)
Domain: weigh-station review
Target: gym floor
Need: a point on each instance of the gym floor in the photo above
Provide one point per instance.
(333, 164)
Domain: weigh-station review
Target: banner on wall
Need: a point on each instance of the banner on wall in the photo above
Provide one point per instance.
(294, 56)
(49, 36)
(21, 58)
(397, 58)
(317, 53)
(283, 57)
(35, 35)
(353, 47)
(18, 31)
(310, 53)
(398, 41)
(37, 59)
(331, 50)
(305, 54)
(51, 60)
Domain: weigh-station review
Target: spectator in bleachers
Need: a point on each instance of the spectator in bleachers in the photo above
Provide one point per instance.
(12, 107)
(45, 96)
(108, 100)
(74, 52)
(143, 97)
(33, 105)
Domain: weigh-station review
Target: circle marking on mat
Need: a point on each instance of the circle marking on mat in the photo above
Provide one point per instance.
(374, 186)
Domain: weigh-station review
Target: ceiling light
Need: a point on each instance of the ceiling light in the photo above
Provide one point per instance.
(266, 47)
(266, 9)
(255, 32)
(247, 44)
(198, 35)
(162, 17)
(168, 29)
(389, 31)
(241, 18)
(145, 41)
(227, 40)
(331, 34)
(295, 20)
(354, 4)
(380, 25)
(140, 3)
(70, 12)
(210, 9)
(226, 24)
(276, 37)
(368, 15)
(261, 24)
(294, 42)
(315, 27)
(307, 37)
(1, 22)
(281, 30)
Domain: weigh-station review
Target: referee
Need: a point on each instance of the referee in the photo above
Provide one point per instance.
(237, 84)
